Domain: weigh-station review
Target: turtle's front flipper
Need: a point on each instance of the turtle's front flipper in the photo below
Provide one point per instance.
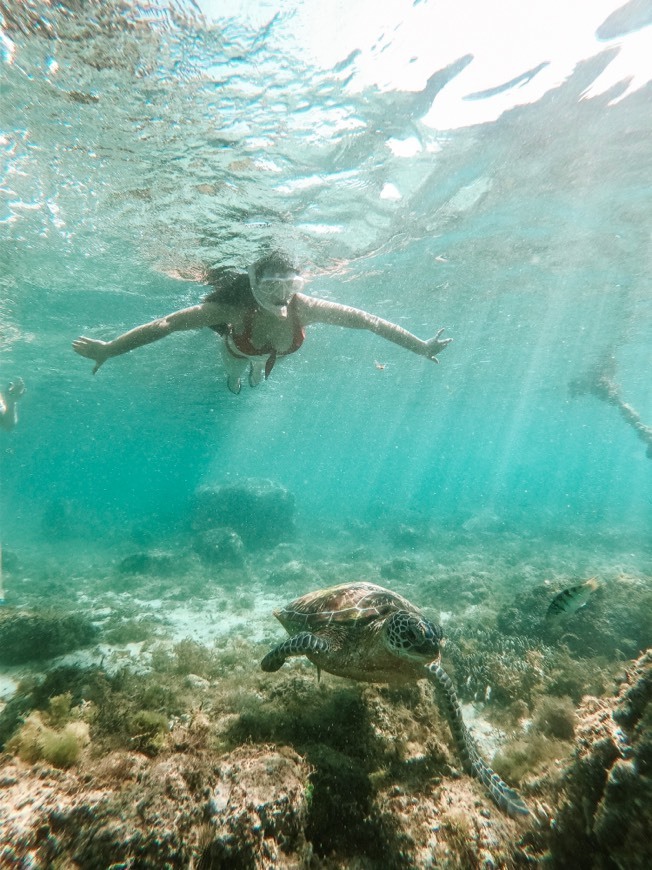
(507, 798)
(300, 645)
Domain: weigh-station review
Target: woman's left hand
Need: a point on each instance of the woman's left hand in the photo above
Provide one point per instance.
(435, 345)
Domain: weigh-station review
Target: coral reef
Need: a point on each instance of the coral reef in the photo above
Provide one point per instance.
(283, 774)
(204, 760)
(247, 811)
(526, 755)
(444, 829)
(508, 670)
(382, 774)
(532, 750)
(555, 717)
(148, 815)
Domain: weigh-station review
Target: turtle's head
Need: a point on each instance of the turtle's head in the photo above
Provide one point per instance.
(413, 637)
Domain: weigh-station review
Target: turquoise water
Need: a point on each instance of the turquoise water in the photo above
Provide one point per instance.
(481, 167)
(159, 144)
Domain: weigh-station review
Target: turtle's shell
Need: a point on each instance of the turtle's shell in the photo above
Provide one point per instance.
(351, 604)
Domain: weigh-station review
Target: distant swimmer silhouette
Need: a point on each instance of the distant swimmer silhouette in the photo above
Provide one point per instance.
(598, 381)
(9, 404)
(261, 316)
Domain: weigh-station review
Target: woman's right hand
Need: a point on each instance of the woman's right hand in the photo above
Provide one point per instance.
(435, 345)
(93, 349)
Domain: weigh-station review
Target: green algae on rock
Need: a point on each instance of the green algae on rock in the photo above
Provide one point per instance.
(30, 636)
(56, 736)
(60, 747)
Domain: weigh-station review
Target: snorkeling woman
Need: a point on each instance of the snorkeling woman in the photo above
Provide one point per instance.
(261, 315)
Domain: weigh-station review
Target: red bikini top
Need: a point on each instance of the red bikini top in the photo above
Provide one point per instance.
(242, 341)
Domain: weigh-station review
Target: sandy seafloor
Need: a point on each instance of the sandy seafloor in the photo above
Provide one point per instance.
(192, 635)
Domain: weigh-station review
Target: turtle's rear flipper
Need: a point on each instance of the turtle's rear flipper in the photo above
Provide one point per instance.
(300, 645)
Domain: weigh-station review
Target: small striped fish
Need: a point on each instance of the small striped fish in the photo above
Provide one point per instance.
(571, 599)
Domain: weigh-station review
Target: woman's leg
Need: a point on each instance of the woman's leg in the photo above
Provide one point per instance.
(235, 368)
(9, 404)
(256, 371)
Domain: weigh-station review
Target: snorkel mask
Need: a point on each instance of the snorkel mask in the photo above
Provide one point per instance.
(273, 286)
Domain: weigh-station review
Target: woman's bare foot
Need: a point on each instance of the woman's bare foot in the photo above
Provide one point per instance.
(16, 389)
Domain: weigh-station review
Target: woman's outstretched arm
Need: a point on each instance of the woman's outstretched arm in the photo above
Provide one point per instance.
(313, 310)
(205, 314)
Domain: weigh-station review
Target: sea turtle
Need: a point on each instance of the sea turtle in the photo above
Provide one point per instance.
(364, 632)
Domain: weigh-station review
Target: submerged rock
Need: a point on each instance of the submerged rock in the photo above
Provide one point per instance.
(260, 511)
(404, 535)
(180, 811)
(30, 636)
(142, 816)
(397, 568)
(148, 562)
(604, 819)
(292, 573)
(220, 546)
(259, 810)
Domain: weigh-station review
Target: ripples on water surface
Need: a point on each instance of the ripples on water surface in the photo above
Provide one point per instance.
(142, 139)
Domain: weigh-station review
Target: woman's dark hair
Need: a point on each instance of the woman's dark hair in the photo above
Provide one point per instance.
(229, 288)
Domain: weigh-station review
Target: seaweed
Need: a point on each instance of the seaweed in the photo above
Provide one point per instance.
(555, 717)
(122, 631)
(29, 636)
(187, 657)
(147, 731)
(526, 755)
(54, 736)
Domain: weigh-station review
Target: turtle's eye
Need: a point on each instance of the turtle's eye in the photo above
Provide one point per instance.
(413, 637)
(424, 637)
